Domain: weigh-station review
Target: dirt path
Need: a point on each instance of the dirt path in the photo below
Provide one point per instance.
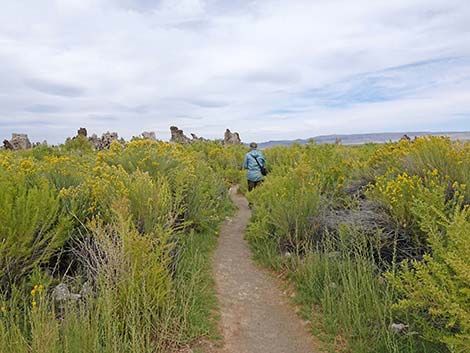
(255, 314)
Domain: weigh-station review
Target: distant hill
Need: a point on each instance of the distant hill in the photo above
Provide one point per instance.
(360, 139)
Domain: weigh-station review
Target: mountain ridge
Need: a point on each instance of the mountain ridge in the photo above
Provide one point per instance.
(360, 139)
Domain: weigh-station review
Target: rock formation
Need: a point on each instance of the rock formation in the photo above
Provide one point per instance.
(177, 136)
(231, 138)
(95, 140)
(17, 142)
(82, 132)
(196, 138)
(149, 135)
(39, 144)
(107, 138)
(7, 145)
(103, 142)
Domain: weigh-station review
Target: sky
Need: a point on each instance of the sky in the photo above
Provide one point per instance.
(268, 69)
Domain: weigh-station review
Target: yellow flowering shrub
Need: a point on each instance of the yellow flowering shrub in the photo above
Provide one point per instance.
(65, 171)
(285, 209)
(435, 293)
(397, 194)
(27, 165)
(47, 198)
(386, 203)
(151, 203)
(290, 201)
(388, 157)
(6, 159)
(120, 221)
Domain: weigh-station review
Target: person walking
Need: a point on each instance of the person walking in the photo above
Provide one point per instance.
(254, 163)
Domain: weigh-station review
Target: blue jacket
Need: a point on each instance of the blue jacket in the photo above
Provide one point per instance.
(254, 172)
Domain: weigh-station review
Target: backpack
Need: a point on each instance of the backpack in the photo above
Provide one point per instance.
(263, 170)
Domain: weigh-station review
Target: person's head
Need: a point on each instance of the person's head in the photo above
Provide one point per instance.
(253, 145)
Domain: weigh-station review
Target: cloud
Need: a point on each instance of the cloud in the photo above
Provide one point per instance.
(394, 83)
(271, 77)
(25, 123)
(204, 103)
(140, 5)
(270, 69)
(43, 108)
(105, 119)
(55, 89)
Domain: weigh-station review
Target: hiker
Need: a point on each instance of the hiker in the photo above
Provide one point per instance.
(255, 164)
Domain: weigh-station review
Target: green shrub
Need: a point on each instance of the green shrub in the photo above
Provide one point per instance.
(79, 144)
(287, 214)
(136, 222)
(32, 226)
(152, 204)
(435, 292)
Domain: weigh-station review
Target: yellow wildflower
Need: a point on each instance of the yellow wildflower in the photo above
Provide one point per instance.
(36, 289)
(27, 165)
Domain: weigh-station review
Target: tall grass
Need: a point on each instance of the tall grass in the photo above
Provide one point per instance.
(340, 285)
(126, 316)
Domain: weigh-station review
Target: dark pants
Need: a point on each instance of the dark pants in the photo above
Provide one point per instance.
(253, 184)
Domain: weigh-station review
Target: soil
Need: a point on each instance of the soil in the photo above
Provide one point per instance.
(255, 314)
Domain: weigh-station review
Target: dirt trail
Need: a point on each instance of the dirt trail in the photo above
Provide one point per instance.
(256, 316)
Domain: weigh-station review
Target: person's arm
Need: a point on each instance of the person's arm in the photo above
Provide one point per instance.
(245, 162)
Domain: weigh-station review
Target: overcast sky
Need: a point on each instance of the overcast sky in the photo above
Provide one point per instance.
(268, 69)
